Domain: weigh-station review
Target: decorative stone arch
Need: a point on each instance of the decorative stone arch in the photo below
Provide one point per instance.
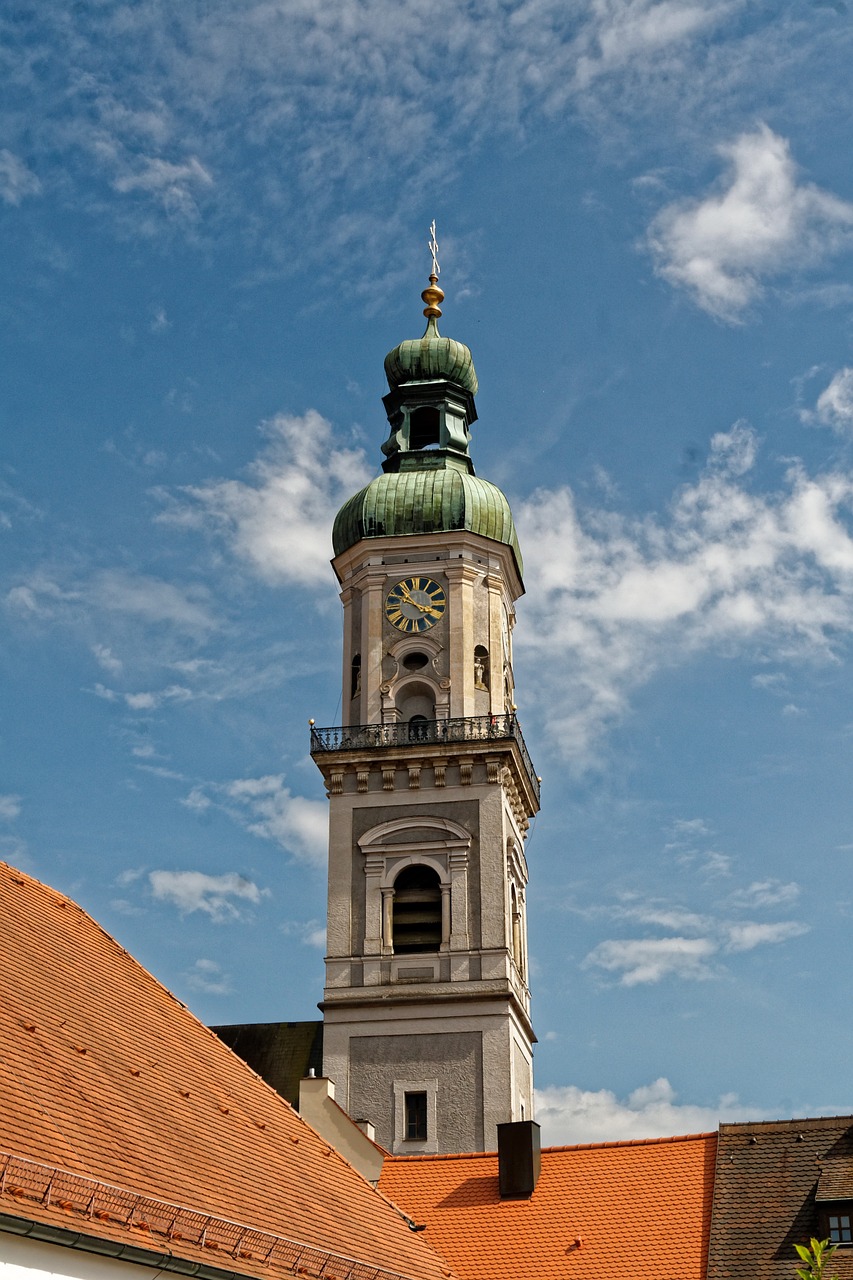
(516, 915)
(389, 848)
(415, 691)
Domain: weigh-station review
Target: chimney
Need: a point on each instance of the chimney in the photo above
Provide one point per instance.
(518, 1159)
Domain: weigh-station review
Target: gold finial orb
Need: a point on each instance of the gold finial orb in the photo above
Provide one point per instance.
(311, 722)
(433, 295)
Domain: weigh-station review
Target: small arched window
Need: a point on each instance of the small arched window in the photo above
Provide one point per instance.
(424, 428)
(417, 911)
(515, 922)
(418, 729)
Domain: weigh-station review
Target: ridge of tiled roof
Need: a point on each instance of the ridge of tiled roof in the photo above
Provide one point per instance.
(107, 1075)
(783, 1126)
(638, 1207)
(577, 1146)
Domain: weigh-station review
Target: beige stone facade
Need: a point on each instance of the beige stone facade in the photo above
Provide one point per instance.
(431, 791)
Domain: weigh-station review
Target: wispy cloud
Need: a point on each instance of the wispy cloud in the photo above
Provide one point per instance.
(279, 520)
(696, 941)
(766, 893)
(16, 180)
(240, 113)
(612, 599)
(133, 596)
(747, 936)
(763, 221)
(148, 700)
(209, 977)
(266, 807)
(173, 185)
(834, 406)
(570, 1115)
(311, 933)
(645, 960)
(215, 896)
(10, 807)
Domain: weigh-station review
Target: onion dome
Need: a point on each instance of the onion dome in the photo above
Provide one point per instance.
(429, 484)
(432, 356)
(441, 499)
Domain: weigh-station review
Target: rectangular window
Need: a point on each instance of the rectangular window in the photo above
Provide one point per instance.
(416, 1117)
(839, 1228)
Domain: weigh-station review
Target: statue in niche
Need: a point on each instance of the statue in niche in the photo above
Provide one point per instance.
(481, 667)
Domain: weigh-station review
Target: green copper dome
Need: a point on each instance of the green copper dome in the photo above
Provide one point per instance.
(426, 499)
(429, 358)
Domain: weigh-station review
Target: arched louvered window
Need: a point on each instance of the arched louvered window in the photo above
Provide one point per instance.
(416, 911)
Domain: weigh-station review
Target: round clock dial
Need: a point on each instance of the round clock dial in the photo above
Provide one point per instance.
(415, 604)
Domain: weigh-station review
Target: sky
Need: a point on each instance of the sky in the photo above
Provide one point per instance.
(215, 219)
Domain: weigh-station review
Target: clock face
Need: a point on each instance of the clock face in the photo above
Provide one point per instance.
(415, 604)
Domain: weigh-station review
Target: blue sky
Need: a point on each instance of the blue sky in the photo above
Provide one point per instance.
(215, 221)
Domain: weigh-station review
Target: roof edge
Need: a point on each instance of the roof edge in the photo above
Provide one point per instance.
(783, 1126)
(66, 1184)
(579, 1146)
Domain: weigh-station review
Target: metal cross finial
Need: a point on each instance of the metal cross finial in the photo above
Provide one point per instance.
(433, 248)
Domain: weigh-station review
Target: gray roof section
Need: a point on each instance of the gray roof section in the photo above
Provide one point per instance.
(281, 1053)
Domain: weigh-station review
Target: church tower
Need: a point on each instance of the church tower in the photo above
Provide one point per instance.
(426, 1007)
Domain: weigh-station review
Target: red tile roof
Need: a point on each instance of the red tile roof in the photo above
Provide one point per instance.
(105, 1075)
(601, 1211)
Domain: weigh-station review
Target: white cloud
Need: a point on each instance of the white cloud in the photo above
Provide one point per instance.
(129, 876)
(766, 893)
(743, 937)
(695, 941)
(10, 807)
(717, 864)
(311, 933)
(208, 976)
(571, 1115)
(107, 659)
(279, 520)
(152, 600)
(117, 592)
(283, 110)
(834, 406)
(191, 891)
(171, 184)
(146, 700)
(690, 828)
(611, 600)
(762, 222)
(623, 33)
(16, 180)
(266, 807)
(775, 681)
(646, 960)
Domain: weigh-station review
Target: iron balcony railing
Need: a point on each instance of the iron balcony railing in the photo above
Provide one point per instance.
(357, 737)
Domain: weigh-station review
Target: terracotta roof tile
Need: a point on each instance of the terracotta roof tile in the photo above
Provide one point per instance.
(107, 1076)
(632, 1208)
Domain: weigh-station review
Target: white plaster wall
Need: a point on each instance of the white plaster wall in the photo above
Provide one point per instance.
(25, 1259)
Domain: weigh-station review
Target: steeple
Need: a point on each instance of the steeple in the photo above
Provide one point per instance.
(427, 1028)
(429, 484)
(430, 403)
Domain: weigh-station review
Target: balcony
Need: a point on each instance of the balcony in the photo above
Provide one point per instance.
(473, 729)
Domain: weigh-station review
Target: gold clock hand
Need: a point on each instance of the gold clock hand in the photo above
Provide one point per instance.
(404, 591)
